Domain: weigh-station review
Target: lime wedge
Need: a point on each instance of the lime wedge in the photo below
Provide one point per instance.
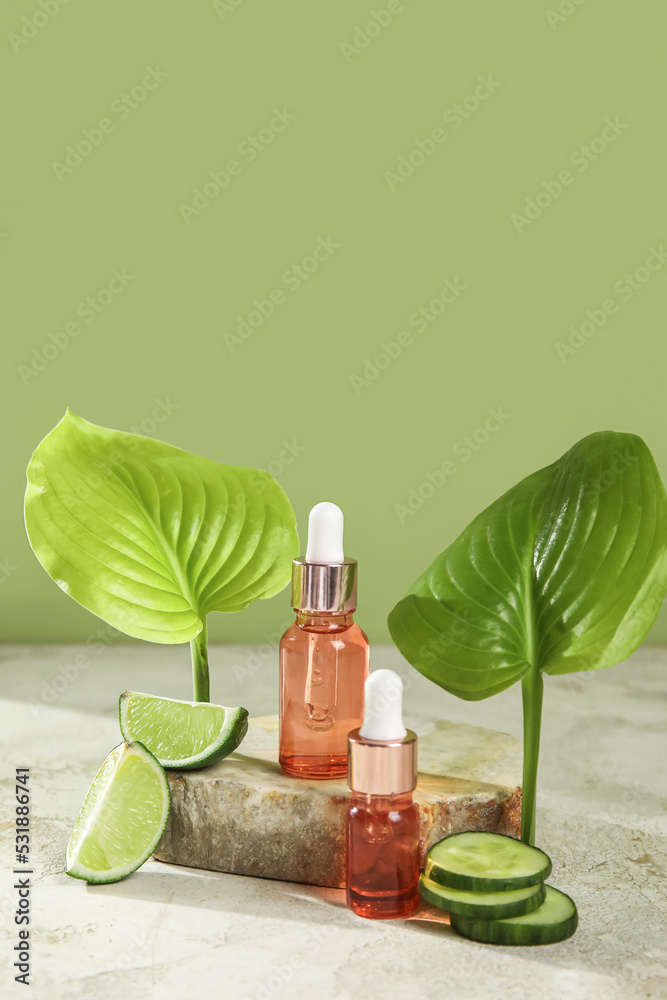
(182, 734)
(122, 818)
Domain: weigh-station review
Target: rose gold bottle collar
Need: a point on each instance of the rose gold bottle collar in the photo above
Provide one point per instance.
(325, 588)
(387, 767)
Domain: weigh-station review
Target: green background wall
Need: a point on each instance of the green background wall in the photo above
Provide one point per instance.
(356, 91)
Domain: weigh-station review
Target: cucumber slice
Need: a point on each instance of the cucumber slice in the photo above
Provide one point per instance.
(478, 861)
(482, 905)
(555, 920)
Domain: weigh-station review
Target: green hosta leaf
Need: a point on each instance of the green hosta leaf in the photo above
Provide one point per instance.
(152, 538)
(564, 572)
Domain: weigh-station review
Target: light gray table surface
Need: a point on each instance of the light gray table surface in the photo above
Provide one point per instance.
(171, 932)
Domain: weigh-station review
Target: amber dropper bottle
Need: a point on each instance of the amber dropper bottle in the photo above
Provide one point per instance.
(323, 656)
(382, 830)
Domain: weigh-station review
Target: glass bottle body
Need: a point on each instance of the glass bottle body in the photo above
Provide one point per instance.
(324, 661)
(382, 866)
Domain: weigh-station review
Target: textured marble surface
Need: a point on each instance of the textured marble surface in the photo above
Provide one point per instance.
(245, 816)
(174, 932)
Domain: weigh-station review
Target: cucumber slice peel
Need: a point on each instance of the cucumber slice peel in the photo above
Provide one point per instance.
(479, 861)
(555, 920)
(482, 905)
(182, 734)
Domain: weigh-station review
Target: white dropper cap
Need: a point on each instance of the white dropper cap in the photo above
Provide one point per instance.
(324, 581)
(383, 711)
(325, 534)
(382, 755)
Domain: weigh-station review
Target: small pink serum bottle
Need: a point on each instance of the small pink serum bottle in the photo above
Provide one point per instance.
(382, 833)
(324, 655)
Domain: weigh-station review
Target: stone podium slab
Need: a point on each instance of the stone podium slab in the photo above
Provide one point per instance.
(245, 816)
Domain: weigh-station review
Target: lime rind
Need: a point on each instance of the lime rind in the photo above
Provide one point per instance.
(122, 818)
(183, 735)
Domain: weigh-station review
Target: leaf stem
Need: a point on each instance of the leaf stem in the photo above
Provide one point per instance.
(199, 650)
(532, 689)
